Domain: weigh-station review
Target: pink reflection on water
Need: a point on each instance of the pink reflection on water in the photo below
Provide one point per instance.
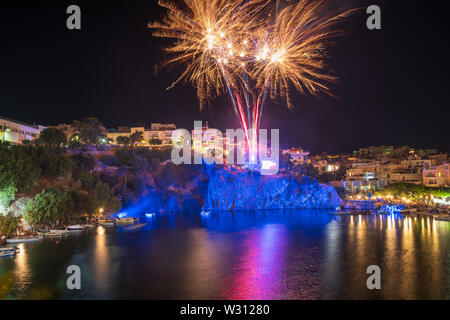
(258, 271)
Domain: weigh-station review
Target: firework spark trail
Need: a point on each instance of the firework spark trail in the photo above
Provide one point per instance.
(242, 47)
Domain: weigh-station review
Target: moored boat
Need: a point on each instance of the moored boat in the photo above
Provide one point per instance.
(59, 231)
(442, 217)
(127, 220)
(342, 213)
(107, 222)
(26, 239)
(408, 211)
(54, 233)
(76, 227)
(7, 253)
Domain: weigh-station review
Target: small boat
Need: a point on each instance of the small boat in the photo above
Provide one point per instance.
(54, 233)
(7, 253)
(76, 227)
(342, 213)
(442, 218)
(408, 211)
(27, 239)
(127, 220)
(59, 231)
(107, 222)
(89, 226)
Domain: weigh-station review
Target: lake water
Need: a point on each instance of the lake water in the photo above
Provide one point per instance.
(291, 254)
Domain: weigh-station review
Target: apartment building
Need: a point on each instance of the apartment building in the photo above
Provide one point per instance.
(16, 132)
(159, 131)
(297, 155)
(437, 176)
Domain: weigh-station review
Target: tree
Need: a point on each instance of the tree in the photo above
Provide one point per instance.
(7, 194)
(53, 137)
(9, 224)
(86, 162)
(52, 162)
(101, 197)
(341, 173)
(19, 167)
(155, 141)
(90, 130)
(138, 136)
(49, 206)
(285, 160)
(27, 142)
(123, 140)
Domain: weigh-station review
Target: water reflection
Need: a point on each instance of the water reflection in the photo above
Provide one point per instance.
(293, 254)
(257, 273)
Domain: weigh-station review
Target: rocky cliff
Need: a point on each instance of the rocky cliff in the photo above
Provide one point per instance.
(233, 189)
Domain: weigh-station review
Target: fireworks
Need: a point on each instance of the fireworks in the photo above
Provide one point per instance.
(246, 49)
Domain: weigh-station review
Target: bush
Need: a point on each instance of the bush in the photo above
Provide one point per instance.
(19, 167)
(53, 163)
(7, 194)
(52, 136)
(9, 224)
(87, 180)
(86, 162)
(48, 207)
(110, 161)
(411, 190)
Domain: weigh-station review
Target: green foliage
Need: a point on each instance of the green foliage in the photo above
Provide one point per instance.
(90, 130)
(138, 136)
(155, 141)
(74, 143)
(285, 160)
(27, 142)
(7, 194)
(412, 191)
(86, 162)
(155, 164)
(53, 137)
(87, 180)
(49, 206)
(123, 140)
(173, 174)
(110, 161)
(53, 163)
(9, 224)
(126, 155)
(19, 167)
(101, 197)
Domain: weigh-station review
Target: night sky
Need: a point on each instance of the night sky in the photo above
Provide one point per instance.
(393, 88)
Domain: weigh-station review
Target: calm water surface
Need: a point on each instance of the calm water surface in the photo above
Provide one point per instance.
(298, 254)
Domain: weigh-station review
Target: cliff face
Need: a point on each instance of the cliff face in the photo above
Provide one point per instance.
(231, 189)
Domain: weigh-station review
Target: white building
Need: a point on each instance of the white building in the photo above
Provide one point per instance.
(297, 155)
(15, 132)
(437, 176)
(160, 131)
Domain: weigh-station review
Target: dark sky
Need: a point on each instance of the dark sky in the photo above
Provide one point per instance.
(393, 88)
